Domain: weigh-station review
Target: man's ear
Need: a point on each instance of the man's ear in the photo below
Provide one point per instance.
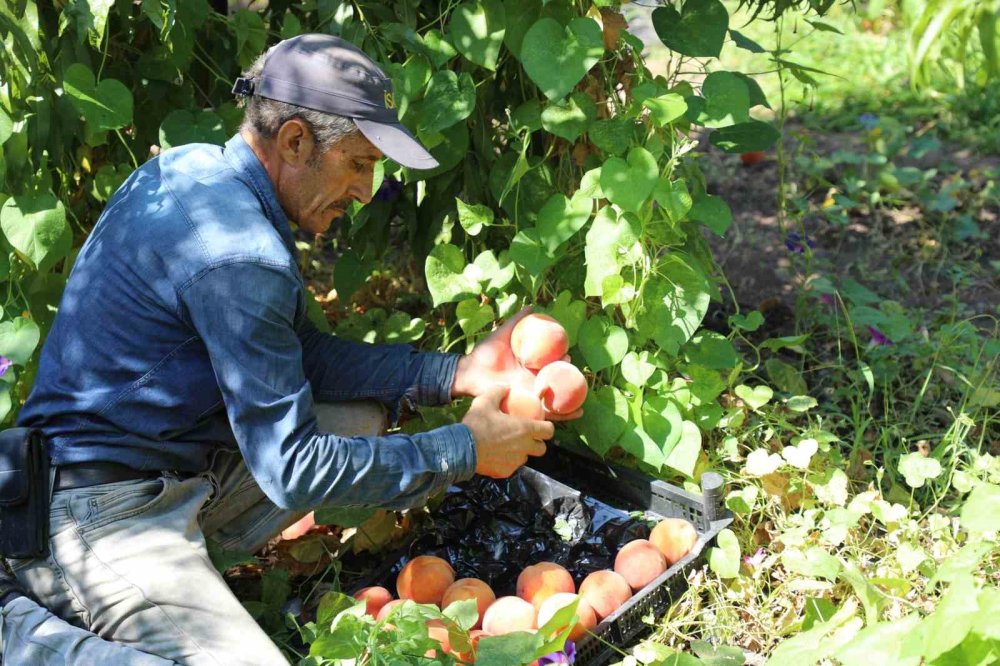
(295, 142)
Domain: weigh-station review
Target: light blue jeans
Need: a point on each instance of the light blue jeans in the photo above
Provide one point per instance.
(129, 562)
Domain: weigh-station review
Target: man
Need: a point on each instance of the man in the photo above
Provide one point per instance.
(178, 387)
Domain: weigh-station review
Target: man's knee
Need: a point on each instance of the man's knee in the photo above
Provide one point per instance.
(350, 419)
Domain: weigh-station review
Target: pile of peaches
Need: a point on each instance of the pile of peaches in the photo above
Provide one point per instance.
(542, 589)
(540, 344)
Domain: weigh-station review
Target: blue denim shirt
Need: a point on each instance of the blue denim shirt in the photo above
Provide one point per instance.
(183, 329)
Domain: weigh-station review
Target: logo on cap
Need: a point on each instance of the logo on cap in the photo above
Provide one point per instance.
(390, 101)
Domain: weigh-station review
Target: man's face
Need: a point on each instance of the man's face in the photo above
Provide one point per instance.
(322, 188)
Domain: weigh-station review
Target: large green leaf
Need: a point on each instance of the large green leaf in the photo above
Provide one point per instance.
(674, 301)
(474, 315)
(495, 273)
(568, 312)
(605, 418)
(477, 30)
(698, 30)
(105, 106)
(725, 559)
(884, 643)
(182, 126)
(608, 234)
(560, 218)
(520, 16)
(727, 100)
(6, 126)
(108, 179)
(34, 224)
(18, 339)
(981, 512)
(527, 250)
(603, 344)
(569, 118)
(612, 135)
(630, 183)
(447, 279)
(951, 621)
(450, 99)
(713, 212)
(745, 137)
(473, 217)
(251, 35)
(665, 109)
(557, 57)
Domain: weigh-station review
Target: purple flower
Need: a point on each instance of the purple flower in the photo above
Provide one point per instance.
(756, 559)
(878, 337)
(567, 656)
(826, 299)
(389, 190)
(868, 120)
(796, 243)
(5, 364)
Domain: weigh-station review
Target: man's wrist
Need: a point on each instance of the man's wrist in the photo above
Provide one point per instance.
(461, 385)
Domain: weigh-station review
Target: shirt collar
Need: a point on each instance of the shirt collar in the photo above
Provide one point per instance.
(241, 155)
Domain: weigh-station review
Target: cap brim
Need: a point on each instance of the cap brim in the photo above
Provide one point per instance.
(397, 143)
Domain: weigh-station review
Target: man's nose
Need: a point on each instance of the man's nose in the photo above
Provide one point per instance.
(361, 189)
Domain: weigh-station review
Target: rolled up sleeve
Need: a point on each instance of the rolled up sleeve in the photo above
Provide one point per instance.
(245, 313)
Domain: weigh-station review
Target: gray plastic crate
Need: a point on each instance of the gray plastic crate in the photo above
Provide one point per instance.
(630, 490)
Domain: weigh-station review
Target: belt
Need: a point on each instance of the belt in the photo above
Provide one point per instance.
(81, 475)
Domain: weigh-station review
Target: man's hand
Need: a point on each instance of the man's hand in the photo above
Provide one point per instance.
(503, 442)
(492, 362)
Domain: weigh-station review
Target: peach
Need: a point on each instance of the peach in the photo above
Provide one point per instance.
(470, 588)
(586, 618)
(300, 527)
(440, 634)
(674, 537)
(561, 386)
(375, 598)
(540, 581)
(424, 579)
(385, 610)
(524, 404)
(605, 591)
(639, 562)
(538, 340)
(470, 656)
(509, 614)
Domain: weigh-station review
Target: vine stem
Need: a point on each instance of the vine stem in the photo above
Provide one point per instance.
(135, 162)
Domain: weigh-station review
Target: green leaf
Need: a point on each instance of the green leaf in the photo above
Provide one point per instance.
(520, 15)
(477, 30)
(569, 118)
(755, 397)
(450, 99)
(823, 27)
(251, 36)
(527, 250)
(568, 312)
(473, 315)
(556, 58)
(35, 225)
(351, 273)
(725, 559)
(6, 126)
(713, 212)
(884, 643)
(473, 217)
(513, 649)
(674, 301)
(105, 106)
(801, 403)
(813, 563)
(465, 613)
(673, 198)
(560, 218)
(181, 126)
(683, 456)
(665, 109)
(745, 43)
(605, 418)
(717, 655)
(603, 344)
(18, 339)
(917, 469)
(785, 377)
(446, 277)
(108, 179)
(745, 137)
(640, 444)
(712, 350)
(344, 516)
(698, 30)
(636, 368)
(727, 100)
(495, 274)
(630, 183)
(748, 322)
(612, 135)
(870, 597)
(951, 621)
(608, 234)
(223, 559)
(962, 563)
(808, 647)
(981, 512)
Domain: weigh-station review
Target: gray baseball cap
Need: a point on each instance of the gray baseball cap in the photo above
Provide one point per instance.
(329, 74)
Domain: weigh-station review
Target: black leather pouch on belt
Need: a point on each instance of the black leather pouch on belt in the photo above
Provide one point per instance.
(24, 493)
